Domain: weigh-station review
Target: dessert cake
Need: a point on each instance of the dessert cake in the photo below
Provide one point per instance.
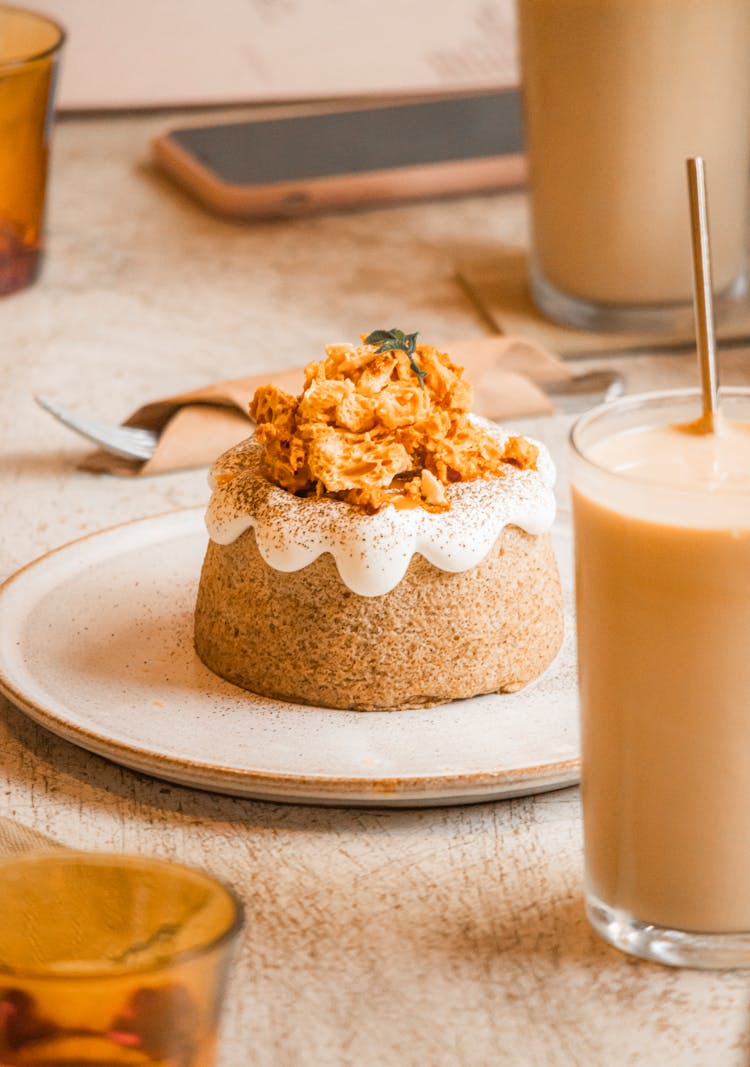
(373, 546)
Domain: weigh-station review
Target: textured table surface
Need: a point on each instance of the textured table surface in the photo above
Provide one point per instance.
(438, 937)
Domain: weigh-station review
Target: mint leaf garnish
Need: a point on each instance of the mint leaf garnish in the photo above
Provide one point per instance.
(397, 340)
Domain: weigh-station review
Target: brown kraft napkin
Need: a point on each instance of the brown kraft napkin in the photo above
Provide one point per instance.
(498, 284)
(15, 838)
(196, 427)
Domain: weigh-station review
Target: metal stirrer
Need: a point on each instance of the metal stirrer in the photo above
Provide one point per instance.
(705, 333)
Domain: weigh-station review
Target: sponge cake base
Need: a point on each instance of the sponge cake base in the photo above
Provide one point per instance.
(304, 637)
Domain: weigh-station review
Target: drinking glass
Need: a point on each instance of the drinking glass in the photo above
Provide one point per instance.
(663, 611)
(30, 46)
(617, 95)
(108, 960)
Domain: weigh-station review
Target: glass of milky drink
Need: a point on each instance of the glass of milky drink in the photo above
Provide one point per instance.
(616, 94)
(662, 537)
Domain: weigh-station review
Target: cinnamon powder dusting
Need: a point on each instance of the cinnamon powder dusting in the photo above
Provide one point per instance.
(370, 431)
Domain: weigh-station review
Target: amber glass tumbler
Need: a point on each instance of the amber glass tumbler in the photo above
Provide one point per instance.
(108, 960)
(30, 46)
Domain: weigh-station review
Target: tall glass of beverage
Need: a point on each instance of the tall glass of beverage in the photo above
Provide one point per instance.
(617, 94)
(662, 545)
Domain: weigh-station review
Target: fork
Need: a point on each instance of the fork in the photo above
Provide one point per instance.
(570, 396)
(129, 441)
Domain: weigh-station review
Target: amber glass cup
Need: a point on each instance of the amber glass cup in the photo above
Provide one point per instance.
(30, 46)
(108, 960)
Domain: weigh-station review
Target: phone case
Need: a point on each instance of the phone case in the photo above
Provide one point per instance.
(336, 191)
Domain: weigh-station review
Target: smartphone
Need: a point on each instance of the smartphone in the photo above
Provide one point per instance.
(333, 159)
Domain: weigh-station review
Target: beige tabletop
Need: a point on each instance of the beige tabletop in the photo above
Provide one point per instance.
(436, 937)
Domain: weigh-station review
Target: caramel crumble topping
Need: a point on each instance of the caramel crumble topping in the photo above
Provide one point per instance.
(376, 425)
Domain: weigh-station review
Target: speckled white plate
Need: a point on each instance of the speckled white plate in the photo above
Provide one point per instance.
(96, 645)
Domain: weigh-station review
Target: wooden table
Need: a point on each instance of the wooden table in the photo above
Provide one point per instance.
(450, 936)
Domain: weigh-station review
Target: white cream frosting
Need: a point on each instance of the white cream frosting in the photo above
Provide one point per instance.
(372, 552)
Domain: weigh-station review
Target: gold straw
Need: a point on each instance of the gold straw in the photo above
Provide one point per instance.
(705, 333)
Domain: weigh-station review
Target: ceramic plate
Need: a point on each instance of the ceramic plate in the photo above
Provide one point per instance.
(96, 645)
